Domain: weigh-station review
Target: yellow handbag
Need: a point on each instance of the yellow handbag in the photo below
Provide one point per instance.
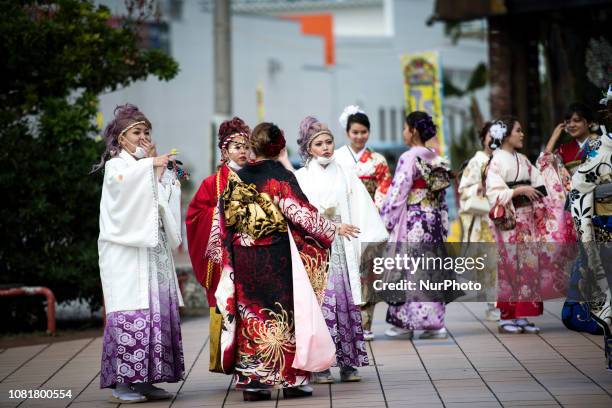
(216, 320)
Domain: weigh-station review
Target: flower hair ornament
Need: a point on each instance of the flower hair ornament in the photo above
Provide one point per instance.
(498, 132)
(348, 111)
(607, 96)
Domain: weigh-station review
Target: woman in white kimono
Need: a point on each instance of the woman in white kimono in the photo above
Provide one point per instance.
(341, 197)
(372, 169)
(474, 207)
(139, 226)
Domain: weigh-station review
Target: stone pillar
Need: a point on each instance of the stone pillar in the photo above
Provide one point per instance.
(500, 74)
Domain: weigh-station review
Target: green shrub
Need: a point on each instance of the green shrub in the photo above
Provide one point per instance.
(57, 57)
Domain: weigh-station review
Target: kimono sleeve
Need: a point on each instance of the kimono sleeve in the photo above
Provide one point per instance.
(170, 206)
(296, 208)
(582, 195)
(199, 224)
(395, 201)
(444, 215)
(497, 189)
(364, 213)
(535, 176)
(129, 213)
(470, 182)
(383, 180)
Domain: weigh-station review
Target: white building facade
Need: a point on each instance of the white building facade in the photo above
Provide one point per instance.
(270, 54)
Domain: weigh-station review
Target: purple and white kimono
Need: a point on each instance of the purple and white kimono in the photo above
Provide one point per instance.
(414, 213)
(139, 227)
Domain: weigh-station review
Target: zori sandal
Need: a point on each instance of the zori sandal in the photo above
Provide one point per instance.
(509, 328)
(527, 326)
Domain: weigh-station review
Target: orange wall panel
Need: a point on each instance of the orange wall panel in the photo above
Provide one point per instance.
(321, 25)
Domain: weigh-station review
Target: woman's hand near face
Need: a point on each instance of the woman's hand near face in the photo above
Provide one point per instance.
(149, 147)
(556, 134)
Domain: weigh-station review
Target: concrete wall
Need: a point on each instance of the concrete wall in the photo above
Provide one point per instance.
(181, 110)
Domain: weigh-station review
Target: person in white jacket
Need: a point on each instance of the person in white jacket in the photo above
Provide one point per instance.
(139, 227)
(340, 196)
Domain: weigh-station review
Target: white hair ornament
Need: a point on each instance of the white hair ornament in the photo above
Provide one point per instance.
(607, 96)
(348, 111)
(498, 132)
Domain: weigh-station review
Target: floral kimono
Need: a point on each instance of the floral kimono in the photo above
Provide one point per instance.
(527, 271)
(593, 221)
(371, 168)
(200, 214)
(415, 211)
(260, 295)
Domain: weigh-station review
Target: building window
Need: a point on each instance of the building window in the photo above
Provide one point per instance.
(175, 9)
(382, 124)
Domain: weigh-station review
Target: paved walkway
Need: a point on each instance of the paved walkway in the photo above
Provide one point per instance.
(475, 367)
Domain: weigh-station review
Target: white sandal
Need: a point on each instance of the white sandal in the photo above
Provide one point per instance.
(434, 334)
(123, 394)
(395, 331)
(509, 328)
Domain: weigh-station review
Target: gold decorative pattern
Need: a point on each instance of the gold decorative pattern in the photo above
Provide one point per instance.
(272, 337)
(250, 211)
(317, 270)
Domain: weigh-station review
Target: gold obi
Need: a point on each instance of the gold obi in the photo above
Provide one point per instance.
(424, 197)
(249, 211)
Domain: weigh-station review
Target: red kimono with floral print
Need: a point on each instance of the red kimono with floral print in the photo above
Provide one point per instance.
(256, 289)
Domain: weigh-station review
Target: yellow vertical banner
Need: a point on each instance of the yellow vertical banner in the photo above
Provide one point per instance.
(260, 102)
(423, 92)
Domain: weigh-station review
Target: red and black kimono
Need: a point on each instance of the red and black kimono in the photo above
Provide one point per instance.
(256, 293)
